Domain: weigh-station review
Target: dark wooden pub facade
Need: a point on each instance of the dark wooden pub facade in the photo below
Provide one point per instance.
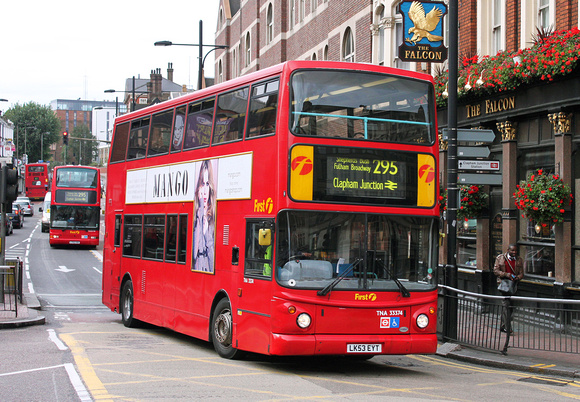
(536, 127)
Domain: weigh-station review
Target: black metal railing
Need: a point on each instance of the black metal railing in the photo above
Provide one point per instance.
(532, 323)
(11, 286)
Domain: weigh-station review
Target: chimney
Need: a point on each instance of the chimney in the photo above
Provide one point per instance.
(156, 85)
(170, 72)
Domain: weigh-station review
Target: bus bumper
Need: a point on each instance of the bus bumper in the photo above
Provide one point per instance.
(73, 242)
(308, 345)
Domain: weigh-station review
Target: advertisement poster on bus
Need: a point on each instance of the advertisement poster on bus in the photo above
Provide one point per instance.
(205, 206)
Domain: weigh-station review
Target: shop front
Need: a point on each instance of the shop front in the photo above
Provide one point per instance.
(536, 127)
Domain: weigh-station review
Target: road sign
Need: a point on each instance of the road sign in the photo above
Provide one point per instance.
(469, 135)
(491, 179)
(478, 165)
(473, 152)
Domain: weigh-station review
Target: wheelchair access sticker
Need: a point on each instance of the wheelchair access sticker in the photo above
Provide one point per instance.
(389, 322)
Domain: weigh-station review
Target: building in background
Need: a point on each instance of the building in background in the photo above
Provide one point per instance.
(537, 129)
(6, 138)
(102, 129)
(73, 113)
(148, 91)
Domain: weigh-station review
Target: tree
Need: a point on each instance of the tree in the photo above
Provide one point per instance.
(82, 152)
(36, 129)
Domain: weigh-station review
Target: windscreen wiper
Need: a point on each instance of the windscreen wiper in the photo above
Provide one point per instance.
(404, 291)
(344, 274)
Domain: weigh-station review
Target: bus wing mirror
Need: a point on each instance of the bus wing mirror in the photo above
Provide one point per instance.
(265, 237)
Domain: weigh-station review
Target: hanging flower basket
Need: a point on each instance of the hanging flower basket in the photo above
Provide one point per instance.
(473, 201)
(442, 200)
(542, 198)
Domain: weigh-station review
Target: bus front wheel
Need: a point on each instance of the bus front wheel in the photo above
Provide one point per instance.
(127, 306)
(221, 330)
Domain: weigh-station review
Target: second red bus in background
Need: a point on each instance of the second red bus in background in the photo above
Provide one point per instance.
(75, 206)
(36, 180)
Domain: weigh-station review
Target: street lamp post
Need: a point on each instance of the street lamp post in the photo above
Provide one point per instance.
(201, 56)
(42, 145)
(25, 136)
(132, 91)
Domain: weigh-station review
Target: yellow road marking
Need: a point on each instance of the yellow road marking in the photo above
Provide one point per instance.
(95, 386)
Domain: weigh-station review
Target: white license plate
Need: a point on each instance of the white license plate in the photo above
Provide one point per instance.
(74, 242)
(364, 348)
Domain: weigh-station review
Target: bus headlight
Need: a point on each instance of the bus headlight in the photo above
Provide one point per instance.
(303, 320)
(422, 321)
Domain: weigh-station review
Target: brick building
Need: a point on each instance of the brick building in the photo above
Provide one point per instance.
(539, 131)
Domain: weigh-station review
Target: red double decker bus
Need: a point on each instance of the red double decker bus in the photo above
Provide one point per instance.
(36, 180)
(75, 206)
(291, 211)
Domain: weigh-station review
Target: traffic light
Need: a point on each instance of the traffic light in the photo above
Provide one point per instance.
(8, 185)
(65, 137)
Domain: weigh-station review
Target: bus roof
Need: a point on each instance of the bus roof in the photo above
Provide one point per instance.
(265, 73)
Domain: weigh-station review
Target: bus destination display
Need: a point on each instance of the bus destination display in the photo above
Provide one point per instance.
(364, 177)
(368, 176)
(76, 196)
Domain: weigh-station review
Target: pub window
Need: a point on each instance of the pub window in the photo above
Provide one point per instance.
(171, 238)
(259, 252)
(153, 236)
(178, 128)
(138, 138)
(199, 120)
(132, 236)
(120, 143)
(544, 14)
(263, 107)
(399, 38)
(537, 242)
(230, 116)
(496, 22)
(160, 133)
(467, 243)
(182, 241)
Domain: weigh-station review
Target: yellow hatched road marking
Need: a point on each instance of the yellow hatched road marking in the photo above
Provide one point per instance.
(95, 386)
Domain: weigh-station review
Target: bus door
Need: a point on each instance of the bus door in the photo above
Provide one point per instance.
(112, 279)
(253, 311)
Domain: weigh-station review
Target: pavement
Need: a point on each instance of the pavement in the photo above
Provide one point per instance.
(533, 361)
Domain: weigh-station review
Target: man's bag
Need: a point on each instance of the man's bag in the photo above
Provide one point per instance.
(508, 286)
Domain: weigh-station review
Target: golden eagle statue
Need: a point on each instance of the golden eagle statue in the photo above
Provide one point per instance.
(423, 23)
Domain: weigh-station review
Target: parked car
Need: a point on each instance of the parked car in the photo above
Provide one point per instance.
(9, 227)
(26, 205)
(45, 209)
(16, 216)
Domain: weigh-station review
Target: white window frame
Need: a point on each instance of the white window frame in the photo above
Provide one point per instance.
(270, 24)
(485, 26)
(248, 53)
(292, 13)
(348, 41)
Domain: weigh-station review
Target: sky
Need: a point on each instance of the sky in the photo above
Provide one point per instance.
(71, 49)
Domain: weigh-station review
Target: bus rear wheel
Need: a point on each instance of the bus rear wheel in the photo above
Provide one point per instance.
(127, 306)
(221, 331)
